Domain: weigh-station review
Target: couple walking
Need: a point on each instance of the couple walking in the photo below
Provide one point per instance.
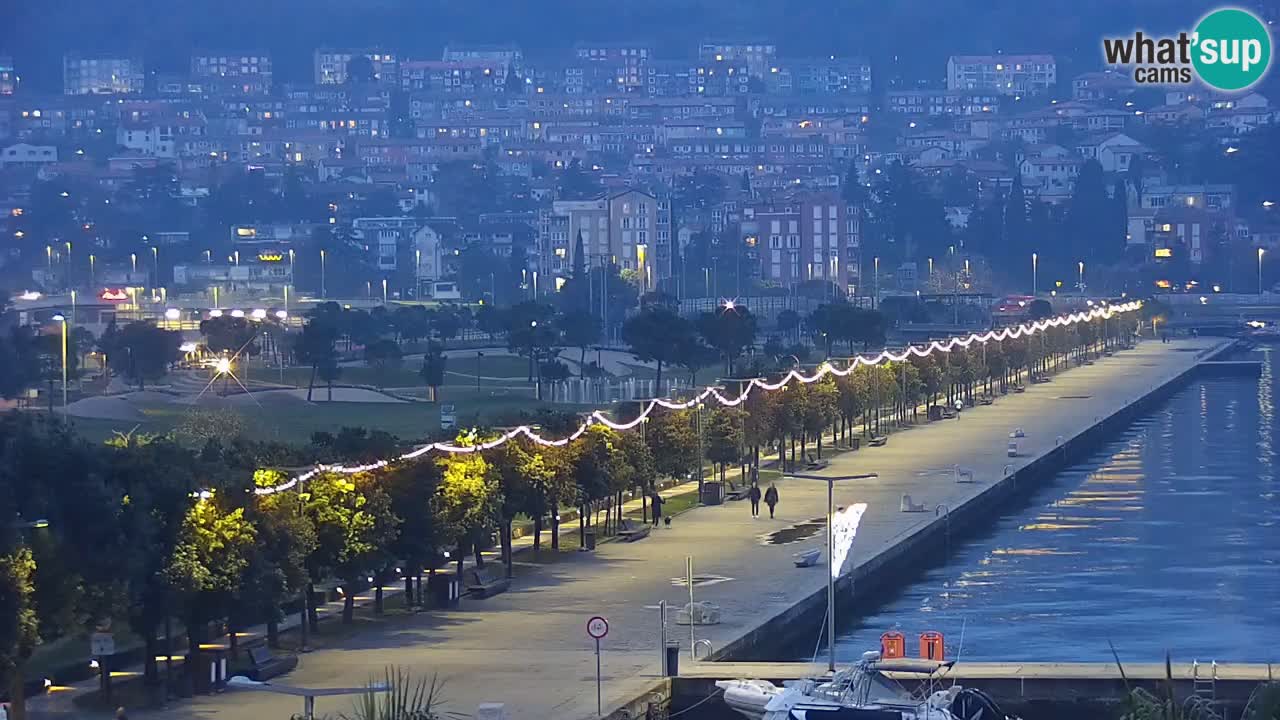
(770, 499)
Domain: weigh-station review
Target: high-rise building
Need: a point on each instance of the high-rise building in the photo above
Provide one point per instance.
(223, 73)
(92, 75)
(330, 65)
(1006, 74)
(8, 76)
(629, 228)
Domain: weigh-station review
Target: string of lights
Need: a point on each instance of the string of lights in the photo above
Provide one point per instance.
(826, 368)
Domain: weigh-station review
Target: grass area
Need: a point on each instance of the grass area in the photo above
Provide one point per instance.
(293, 420)
(500, 366)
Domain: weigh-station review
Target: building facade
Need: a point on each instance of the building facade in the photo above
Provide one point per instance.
(223, 73)
(1005, 74)
(96, 75)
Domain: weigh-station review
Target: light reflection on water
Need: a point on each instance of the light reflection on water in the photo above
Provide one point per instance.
(1165, 539)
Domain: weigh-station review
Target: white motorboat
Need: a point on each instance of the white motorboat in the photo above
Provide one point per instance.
(861, 692)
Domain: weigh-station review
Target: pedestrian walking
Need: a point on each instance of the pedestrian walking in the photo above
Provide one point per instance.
(657, 508)
(771, 498)
(120, 714)
(754, 496)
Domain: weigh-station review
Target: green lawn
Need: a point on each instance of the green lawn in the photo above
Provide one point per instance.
(460, 371)
(295, 420)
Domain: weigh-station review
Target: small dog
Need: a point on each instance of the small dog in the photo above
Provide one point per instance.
(667, 521)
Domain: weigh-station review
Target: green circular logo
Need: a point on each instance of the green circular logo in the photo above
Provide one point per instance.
(1232, 49)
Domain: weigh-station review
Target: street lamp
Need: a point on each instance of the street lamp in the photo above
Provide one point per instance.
(133, 262)
(832, 569)
(1035, 267)
(1260, 252)
(62, 319)
(1081, 266)
(322, 289)
(384, 291)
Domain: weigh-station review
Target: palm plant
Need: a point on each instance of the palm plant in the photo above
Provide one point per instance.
(401, 696)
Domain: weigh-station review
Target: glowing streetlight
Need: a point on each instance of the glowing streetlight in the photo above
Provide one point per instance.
(223, 366)
(1081, 267)
(322, 289)
(62, 319)
(92, 259)
(384, 291)
(1260, 252)
(133, 262)
(1035, 267)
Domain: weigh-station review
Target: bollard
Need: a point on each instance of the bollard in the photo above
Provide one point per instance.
(673, 659)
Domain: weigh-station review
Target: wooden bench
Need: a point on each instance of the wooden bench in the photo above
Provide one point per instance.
(630, 531)
(482, 584)
(737, 492)
(878, 440)
(264, 665)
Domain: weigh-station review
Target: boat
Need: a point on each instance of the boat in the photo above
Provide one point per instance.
(864, 691)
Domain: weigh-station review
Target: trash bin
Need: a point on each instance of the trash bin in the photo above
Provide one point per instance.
(672, 667)
(589, 539)
(443, 590)
(712, 492)
(208, 671)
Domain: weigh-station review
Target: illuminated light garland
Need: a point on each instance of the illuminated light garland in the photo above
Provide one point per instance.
(826, 368)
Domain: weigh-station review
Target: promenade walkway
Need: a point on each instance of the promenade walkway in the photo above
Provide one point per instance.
(528, 648)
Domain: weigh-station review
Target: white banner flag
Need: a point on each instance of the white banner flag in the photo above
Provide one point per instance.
(844, 528)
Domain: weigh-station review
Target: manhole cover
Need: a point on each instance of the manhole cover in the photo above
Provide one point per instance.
(700, 580)
(795, 533)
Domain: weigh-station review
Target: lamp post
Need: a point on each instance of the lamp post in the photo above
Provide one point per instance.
(876, 278)
(1035, 267)
(322, 288)
(831, 571)
(62, 319)
(929, 280)
(384, 291)
(92, 279)
(1081, 266)
(1260, 252)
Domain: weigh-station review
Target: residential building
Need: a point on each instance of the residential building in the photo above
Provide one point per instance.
(759, 57)
(820, 76)
(509, 56)
(630, 228)
(390, 239)
(1114, 152)
(232, 73)
(944, 102)
(1210, 197)
(8, 76)
(101, 75)
(1006, 74)
(625, 63)
(25, 155)
(808, 236)
(1103, 85)
(453, 76)
(329, 66)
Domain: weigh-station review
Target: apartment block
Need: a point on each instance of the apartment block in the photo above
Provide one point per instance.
(8, 76)
(1005, 74)
(630, 228)
(809, 236)
(101, 75)
(232, 73)
(329, 66)
(759, 56)
(625, 62)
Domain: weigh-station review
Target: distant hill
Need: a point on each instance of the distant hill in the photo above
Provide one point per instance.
(913, 37)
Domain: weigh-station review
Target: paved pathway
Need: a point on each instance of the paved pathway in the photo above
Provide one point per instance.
(528, 647)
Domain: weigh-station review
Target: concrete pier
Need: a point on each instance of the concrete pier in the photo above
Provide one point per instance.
(528, 648)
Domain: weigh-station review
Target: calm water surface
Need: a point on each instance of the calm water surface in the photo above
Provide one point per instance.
(1168, 538)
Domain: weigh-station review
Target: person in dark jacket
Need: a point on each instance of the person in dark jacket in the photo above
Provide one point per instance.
(771, 498)
(657, 508)
(754, 496)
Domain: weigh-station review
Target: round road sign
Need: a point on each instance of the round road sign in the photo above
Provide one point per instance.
(597, 627)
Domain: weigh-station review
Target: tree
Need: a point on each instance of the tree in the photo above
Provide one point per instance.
(576, 184)
(672, 442)
(285, 539)
(729, 330)
(354, 526)
(411, 488)
(434, 364)
(147, 350)
(1088, 218)
(234, 335)
(19, 629)
(467, 501)
(656, 335)
(317, 346)
(724, 437)
(692, 355)
(581, 330)
(383, 356)
(1017, 241)
(532, 334)
(207, 563)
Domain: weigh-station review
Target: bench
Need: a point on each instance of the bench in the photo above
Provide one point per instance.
(482, 584)
(737, 492)
(986, 400)
(878, 440)
(630, 531)
(264, 665)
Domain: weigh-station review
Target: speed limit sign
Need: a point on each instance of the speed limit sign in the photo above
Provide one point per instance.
(597, 627)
